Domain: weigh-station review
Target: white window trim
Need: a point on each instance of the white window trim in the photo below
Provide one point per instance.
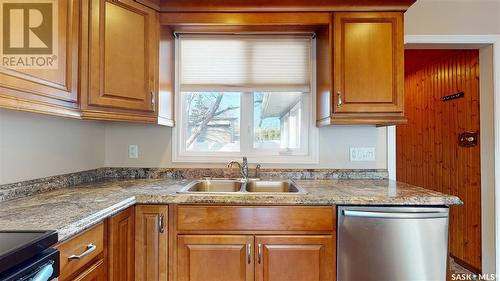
(254, 156)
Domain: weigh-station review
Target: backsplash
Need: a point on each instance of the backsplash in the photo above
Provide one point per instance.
(31, 187)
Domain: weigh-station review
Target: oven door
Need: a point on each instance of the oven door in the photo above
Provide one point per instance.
(43, 267)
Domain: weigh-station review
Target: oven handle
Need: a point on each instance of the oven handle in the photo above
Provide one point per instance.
(390, 215)
(90, 248)
(44, 273)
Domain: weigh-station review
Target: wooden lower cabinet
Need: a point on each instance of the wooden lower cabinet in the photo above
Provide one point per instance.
(215, 258)
(295, 258)
(121, 246)
(89, 248)
(151, 243)
(95, 272)
(260, 258)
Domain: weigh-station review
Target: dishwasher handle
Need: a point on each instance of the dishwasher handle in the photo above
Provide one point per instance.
(395, 215)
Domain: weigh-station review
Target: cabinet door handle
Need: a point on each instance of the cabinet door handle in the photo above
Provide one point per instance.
(160, 223)
(259, 253)
(153, 100)
(339, 99)
(249, 253)
(90, 248)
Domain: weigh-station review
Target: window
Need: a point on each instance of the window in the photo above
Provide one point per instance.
(245, 95)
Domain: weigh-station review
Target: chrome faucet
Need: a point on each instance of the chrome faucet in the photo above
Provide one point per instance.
(243, 167)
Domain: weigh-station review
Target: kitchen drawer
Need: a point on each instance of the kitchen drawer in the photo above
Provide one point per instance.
(88, 245)
(94, 272)
(255, 218)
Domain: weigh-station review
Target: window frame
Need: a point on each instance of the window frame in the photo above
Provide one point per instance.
(309, 155)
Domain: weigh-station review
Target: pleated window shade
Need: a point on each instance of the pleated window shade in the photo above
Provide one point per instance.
(245, 63)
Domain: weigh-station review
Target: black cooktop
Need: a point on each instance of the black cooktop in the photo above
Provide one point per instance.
(19, 246)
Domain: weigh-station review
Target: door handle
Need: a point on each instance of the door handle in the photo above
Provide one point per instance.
(400, 215)
(259, 253)
(339, 99)
(249, 253)
(160, 224)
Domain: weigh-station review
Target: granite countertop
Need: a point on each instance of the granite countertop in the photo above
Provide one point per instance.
(72, 210)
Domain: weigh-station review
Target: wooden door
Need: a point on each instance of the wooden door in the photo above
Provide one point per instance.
(428, 150)
(295, 258)
(368, 62)
(52, 85)
(151, 243)
(121, 246)
(123, 55)
(95, 272)
(215, 258)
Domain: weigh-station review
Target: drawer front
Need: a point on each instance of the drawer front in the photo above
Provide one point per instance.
(255, 218)
(78, 251)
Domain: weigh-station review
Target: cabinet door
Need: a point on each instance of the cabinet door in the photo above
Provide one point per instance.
(151, 243)
(123, 54)
(95, 272)
(368, 62)
(121, 246)
(295, 258)
(48, 82)
(215, 258)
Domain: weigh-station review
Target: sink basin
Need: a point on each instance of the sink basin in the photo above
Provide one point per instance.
(213, 186)
(273, 187)
(241, 186)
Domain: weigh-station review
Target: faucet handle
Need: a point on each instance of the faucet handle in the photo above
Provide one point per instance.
(257, 171)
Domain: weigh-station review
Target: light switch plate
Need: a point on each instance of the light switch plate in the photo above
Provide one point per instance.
(133, 151)
(362, 154)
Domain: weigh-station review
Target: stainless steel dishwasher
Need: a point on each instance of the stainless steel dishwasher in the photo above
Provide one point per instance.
(392, 243)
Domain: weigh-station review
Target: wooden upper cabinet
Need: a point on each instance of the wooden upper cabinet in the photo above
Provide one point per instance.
(367, 70)
(215, 258)
(53, 87)
(151, 243)
(121, 246)
(368, 63)
(123, 60)
(300, 258)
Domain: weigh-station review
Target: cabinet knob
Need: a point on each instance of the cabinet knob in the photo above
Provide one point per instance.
(339, 99)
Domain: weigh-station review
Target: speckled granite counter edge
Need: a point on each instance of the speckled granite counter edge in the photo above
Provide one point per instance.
(32, 187)
(85, 223)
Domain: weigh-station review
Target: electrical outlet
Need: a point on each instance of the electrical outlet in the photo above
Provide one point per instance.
(362, 153)
(133, 151)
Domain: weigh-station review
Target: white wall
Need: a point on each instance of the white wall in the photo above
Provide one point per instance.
(155, 147)
(34, 145)
(453, 17)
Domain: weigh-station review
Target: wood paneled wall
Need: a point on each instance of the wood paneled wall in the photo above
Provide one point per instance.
(428, 153)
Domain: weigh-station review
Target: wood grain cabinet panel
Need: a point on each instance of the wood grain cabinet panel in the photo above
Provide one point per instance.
(121, 246)
(52, 90)
(95, 272)
(295, 258)
(215, 258)
(151, 243)
(255, 218)
(368, 63)
(123, 53)
(89, 244)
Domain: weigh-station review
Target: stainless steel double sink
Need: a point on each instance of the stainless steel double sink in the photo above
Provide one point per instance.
(242, 186)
